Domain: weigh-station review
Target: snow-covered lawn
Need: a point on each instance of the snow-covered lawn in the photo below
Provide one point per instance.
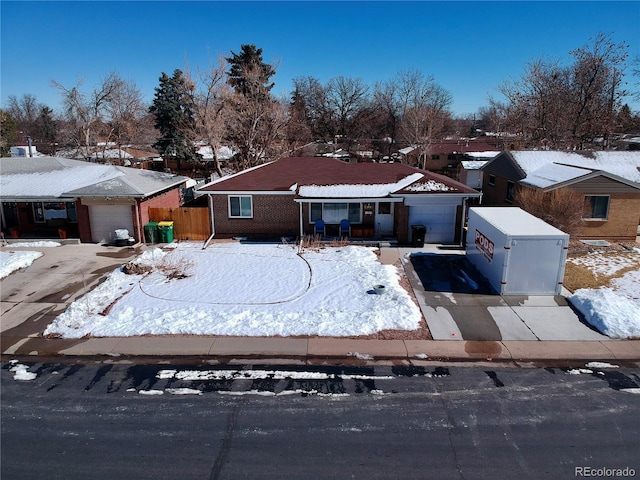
(613, 309)
(245, 290)
(11, 261)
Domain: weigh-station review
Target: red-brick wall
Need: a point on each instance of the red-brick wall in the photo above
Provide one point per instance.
(168, 199)
(273, 215)
(84, 224)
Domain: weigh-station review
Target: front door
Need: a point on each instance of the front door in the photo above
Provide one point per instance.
(384, 219)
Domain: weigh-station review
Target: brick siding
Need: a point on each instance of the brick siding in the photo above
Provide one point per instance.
(621, 224)
(273, 215)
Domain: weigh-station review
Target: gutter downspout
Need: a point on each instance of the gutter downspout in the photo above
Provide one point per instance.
(213, 226)
(140, 235)
(464, 216)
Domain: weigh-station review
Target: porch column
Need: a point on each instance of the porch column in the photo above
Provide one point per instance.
(301, 222)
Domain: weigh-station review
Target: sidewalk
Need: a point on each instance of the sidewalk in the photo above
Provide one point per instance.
(332, 350)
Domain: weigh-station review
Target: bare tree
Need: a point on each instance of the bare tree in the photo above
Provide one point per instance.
(318, 117)
(563, 208)
(124, 112)
(212, 104)
(558, 106)
(84, 110)
(346, 97)
(425, 111)
(596, 87)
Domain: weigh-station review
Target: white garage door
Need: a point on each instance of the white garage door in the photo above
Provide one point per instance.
(440, 221)
(106, 219)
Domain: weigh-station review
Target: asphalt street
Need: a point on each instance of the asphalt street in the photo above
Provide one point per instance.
(104, 420)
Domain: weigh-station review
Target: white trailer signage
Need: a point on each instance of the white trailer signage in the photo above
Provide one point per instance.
(485, 245)
(518, 254)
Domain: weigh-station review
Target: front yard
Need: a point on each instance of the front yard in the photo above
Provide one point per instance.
(606, 289)
(244, 290)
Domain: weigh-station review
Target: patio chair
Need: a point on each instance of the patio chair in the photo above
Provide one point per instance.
(319, 228)
(345, 228)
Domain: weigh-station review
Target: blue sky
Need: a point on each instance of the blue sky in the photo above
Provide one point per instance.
(470, 48)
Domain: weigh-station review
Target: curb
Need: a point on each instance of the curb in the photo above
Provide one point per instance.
(314, 350)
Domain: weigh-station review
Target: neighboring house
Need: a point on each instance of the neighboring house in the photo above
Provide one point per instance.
(470, 169)
(380, 200)
(443, 156)
(88, 201)
(610, 182)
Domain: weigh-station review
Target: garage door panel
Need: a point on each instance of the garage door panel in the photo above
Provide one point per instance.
(106, 219)
(439, 220)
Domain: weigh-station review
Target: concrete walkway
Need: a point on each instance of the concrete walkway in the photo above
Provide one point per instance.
(330, 350)
(457, 312)
(31, 300)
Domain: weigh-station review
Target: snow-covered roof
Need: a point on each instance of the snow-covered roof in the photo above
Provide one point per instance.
(479, 155)
(223, 153)
(53, 177)
(429, 186)
(625, 165)
(553, 173)
(110, 153)
(407, 150)
(357, 191)
(473, 164)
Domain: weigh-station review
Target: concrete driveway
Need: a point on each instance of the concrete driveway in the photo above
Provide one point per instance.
(32, 297)
(458, 303)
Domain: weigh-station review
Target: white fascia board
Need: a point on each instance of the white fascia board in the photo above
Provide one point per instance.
(13, 199)
(447, 195)
(350, 200)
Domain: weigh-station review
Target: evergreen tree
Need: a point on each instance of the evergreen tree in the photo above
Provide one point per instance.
(46, 127)
(248, 74)
(8, 133)
(173, 110)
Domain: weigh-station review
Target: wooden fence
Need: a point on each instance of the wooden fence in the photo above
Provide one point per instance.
(188, 223)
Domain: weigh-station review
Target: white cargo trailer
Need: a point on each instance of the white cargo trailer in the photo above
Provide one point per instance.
(519, 254)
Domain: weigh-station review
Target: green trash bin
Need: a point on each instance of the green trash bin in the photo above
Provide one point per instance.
(151, 232)
(165, 231)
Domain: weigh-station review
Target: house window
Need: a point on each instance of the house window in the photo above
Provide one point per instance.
(492, 180)
(335, 212)
(354, 213)
(240, 207)
(597, 207)
(511, 190)
(44, 211)
(384, 208)
(435, 157)
(316, 212)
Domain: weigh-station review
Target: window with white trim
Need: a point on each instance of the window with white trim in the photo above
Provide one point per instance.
(596, 207)
(333, 213)
(240, 206)
(492, 179)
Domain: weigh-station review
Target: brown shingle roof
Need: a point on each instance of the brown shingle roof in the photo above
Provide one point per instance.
(282, 174)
